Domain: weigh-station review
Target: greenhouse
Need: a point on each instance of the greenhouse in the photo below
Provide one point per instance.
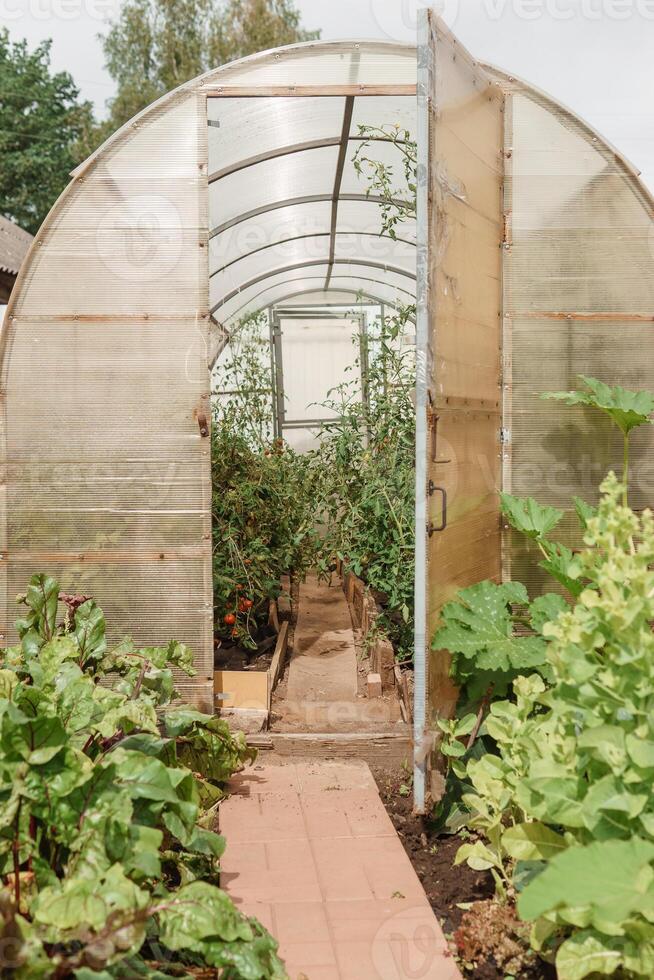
(274, 191)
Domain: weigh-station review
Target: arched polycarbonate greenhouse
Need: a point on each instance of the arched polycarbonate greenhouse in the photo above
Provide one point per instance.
(531, 260)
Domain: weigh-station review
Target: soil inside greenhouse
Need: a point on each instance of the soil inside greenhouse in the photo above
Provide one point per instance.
(233, 656)
(448, 887)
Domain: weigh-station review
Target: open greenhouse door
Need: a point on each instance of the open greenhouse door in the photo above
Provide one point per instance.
(459, 340)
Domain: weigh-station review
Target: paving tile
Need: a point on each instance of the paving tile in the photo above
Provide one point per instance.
(262, 818)
(334, 776)
(297, 921)
(243, 856)
(282, 855)
(308, 954)
(284, 885)
(262, 911)
(346, 813)
(266, 780)
(304, 972)
(361, 921)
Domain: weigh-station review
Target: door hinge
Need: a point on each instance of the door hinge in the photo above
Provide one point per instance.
(203, 425)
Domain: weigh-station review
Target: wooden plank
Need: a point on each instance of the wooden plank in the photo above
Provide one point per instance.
(383, 749)
(103, 557)
(303, 91)
(273, 615)
(279, 657)
(545, 315)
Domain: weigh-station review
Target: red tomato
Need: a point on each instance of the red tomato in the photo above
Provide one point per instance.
(230, 619)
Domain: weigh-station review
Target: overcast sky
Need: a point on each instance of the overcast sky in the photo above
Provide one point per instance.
(595, 56)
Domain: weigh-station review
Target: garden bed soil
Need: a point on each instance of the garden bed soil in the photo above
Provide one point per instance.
(447, 887)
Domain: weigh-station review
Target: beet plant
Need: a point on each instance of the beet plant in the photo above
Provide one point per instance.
(108, 798)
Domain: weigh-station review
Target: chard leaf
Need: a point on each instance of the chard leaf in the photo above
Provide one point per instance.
(42, 597)
(90, 632)
(198, 912)
(587, 952)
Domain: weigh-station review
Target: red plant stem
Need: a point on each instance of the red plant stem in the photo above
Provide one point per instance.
(480, 717)
(16, 855)
(32, 836)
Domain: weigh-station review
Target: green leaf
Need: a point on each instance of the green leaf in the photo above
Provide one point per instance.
(38, 740)
(78, 903)
(8, 683)
(641, 751)
(585, 512)
(627, 409)
(561, 565)
(200, 911)
(479, 626)
(89, 632)
(42, 597)
(532, 842)
(545, 609)
(53, 654)
(477, 856)
(609, 878)
(528, 516)
(585, 953)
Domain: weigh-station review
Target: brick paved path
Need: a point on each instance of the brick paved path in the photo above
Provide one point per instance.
(313, 854)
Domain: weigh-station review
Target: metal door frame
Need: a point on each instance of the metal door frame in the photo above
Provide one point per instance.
(275, 315)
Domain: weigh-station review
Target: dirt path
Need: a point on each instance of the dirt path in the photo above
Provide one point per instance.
(323, 689)
(324, 665)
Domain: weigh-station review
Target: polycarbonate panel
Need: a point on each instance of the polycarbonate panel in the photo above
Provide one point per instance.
(365, 216)
(272, 124)
(298, 175)
(581, 234)
(395, 288)
(268, 228)
(385, 153)
(378, 250)
(464, 301)
(105, 372)
(579, 299)
(295, 288)
(276, 257)
(384, 110)
(322, 63)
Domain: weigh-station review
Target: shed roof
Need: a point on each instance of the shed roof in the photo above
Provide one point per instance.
(14, 243)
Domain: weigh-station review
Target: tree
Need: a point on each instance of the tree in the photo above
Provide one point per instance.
(45, 131)
(155, 45)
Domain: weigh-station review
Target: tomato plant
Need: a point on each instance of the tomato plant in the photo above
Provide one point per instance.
(365, 482)
(263, 512)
